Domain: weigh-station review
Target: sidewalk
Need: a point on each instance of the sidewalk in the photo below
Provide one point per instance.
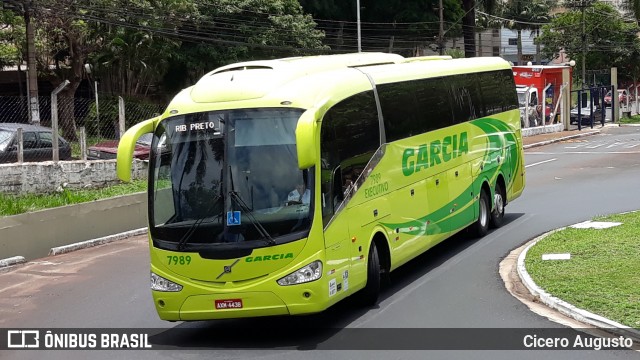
(544, 139)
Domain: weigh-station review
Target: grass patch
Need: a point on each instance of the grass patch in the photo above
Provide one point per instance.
(635, 119)
(603, 274)
(19, 204)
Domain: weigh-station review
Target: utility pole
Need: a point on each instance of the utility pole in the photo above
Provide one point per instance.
(359, 34)
(441, 32)
(34, 105)
(584, 44)
(25, 8)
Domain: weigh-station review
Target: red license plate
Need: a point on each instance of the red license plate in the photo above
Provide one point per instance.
(228, 304)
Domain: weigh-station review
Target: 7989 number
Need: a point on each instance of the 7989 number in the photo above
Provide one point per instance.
(179, 260)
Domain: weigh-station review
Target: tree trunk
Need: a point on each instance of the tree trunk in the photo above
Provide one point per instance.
(468, 28)
(66, 106)
(66, 112)
(480, 43)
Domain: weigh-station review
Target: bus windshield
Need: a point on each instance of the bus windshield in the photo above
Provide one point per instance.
(228, 176)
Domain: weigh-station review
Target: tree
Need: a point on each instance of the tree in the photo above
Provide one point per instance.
(527, 15)
(12, 39)
(611, 41)
(64, 41)
(134, 56)
(469, 23)
(224, 31)
(484, 22)
(134, 44)
(398, 26)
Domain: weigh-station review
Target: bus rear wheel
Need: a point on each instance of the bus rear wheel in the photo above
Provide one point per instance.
(497, 215)
(369, 295)
(481, 226)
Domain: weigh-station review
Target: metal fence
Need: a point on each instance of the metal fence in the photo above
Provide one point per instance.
(95, 119)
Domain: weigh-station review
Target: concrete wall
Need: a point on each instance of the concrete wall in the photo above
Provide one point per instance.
(32, 235)
(47, 176)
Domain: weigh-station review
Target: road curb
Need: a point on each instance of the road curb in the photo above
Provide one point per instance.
(563, 306)
(15, 260)
(547, 142)
(95, 242)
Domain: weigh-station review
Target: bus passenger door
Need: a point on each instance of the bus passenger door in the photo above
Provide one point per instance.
(338, 262)
(336, 230)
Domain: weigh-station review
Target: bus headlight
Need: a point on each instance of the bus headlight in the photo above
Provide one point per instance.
(159, 283)
(305, 274)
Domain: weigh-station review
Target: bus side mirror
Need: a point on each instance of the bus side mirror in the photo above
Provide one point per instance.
(127, 145)
(306, 139)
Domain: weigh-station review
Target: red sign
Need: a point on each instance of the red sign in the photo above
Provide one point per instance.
(228, 304)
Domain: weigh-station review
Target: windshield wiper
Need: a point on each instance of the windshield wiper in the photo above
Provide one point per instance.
(194, 226)
(261, 230)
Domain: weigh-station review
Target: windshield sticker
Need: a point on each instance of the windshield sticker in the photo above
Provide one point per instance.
(333, 287)
(233, 218)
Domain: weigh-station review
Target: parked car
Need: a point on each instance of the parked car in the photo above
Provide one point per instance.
(622, 97)
(37, 143)
(109, 149)
(586, 115)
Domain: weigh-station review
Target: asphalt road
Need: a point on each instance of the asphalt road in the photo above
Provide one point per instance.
(455, 285)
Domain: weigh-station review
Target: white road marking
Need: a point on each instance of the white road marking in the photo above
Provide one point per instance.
(540, 162)
(595, 146)
(631, 146)
(575, 147)
(614, 144)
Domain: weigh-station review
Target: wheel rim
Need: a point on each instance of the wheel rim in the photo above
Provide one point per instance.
(499, 203)
(484, 218)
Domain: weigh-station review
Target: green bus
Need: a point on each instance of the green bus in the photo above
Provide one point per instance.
(281, 187)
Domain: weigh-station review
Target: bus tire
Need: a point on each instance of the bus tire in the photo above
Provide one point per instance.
(497, 215)
(368, 296)
(481, 226)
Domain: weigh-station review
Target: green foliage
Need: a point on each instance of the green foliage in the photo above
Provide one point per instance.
(455, 53)
(135, 111)
(18, 204)
(602, 274)
(411, 23)
(12, 38)
(611, 41)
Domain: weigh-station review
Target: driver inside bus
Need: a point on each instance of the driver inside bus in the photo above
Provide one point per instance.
(299, 195)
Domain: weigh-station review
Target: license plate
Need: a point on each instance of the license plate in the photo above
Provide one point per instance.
(228, 304)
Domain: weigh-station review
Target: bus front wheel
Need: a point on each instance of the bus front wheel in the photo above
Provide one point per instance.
(481, 226)
(369, 295)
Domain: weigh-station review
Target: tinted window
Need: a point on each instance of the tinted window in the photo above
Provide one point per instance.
(350, 136)
(29, 140)
(414, 107)
(497, 90)
(437, 109)
(400, 109)
(46, 140)
(463, 95)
